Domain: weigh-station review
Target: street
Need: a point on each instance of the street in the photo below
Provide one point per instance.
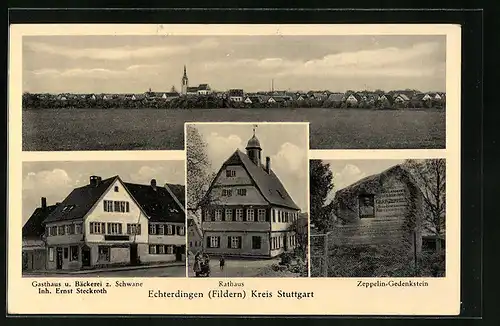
(169, 271)
(235, 267)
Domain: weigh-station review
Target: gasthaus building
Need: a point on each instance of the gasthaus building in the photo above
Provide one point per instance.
(110, 222)
(247, 211)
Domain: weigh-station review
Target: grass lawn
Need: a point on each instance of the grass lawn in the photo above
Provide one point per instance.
(150, 129)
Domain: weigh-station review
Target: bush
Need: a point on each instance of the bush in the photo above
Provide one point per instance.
(286, 258)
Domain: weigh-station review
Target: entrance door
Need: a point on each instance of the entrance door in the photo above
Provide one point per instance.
(85, 256)
(59, 258)
(178, 253)
(133, 254)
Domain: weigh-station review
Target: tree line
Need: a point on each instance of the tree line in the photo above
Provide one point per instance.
(33, 102)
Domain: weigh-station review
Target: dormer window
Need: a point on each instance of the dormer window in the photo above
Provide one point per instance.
(68, 208)
(279, 193)
(230, 173)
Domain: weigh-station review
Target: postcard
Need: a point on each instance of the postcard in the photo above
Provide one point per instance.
(234, 169)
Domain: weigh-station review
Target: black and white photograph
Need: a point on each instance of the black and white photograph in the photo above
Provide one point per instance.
(103, 219)
(378, 218)
(247, 199)
(117, 92)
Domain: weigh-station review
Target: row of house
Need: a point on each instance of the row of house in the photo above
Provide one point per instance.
(107, 222)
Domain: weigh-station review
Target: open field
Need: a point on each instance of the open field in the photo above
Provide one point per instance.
(152, 129)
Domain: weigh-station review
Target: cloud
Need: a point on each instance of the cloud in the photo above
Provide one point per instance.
(219, 148)
(171, 173)
(347, 176)
(290, 157)
(47, 180)
(96, 72)
(389, 61)
(120, 53)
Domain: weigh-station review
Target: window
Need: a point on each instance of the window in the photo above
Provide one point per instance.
(242, 192)
(207, 215)
(256, 242)
(182, 230)
(116, 188)
(170, 250)
(239, 214)
(68, 208)
(213, 242)
(161, 229)
(53, 231)
(279, 193)
(152, 229)
(103, 253)
(227, 192)
(108, 206)
(97, 228)
(279, 216)
(134, 229)
(170, 229)
(70, 229)
(51, 254)
(74, 253)
(262, 215)
(114, 228)
(250, 214)
(161, 249)
(274, 215)
(152, 249)
(218, 214)
(366, 206)
(60, 230)
(230, 173)
(234, 242)
(65, 253)
(229, 214)
(116, 206)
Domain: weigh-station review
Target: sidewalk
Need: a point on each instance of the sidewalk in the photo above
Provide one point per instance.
(100, 270)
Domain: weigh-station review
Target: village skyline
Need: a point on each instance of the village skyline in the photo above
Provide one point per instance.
(127, 64)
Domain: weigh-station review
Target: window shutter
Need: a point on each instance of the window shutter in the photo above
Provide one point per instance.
(245, 212)
(268, 215)
(239, 243)
(229, 242)
(218, 242)
(208, 242)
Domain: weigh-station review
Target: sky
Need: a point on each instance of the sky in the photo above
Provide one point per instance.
(133, 64)
(285, 144)
(55, 180)
(347, 172)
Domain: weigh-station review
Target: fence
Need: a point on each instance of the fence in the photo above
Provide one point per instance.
(319, 254)
(323, 245)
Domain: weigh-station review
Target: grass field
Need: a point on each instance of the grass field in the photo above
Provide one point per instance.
(119, 129)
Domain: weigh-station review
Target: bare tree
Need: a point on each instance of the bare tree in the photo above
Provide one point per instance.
(430, 176)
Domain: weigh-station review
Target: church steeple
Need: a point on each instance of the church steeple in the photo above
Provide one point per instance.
(253, 149)
(184, 82)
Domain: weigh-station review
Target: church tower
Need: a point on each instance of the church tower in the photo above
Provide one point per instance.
(185, 82)
(254, 150)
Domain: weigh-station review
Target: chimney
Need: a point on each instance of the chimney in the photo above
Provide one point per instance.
(268, 164)
(153, 184)
(95, 181)
(44, 203)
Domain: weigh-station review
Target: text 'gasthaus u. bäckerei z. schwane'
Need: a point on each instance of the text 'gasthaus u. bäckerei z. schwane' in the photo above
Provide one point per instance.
(229, 290)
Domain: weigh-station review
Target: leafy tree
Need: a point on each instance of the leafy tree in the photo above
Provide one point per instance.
(199, 176)
(430, 176)
(320, 185)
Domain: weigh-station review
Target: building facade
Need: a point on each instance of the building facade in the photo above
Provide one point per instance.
(110, 222)
(247, 212)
